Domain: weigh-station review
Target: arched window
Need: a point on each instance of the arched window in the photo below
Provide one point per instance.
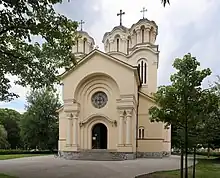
(128, 44)
(142, 33)
(141, 132)
(143, 71)
(135, 37)
(84, 45)
(77, 45)
(117, 38)
(118, 44)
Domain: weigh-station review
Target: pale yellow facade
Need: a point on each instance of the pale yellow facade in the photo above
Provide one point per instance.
(108, 94)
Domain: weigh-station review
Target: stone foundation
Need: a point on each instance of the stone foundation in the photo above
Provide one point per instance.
(97, 155)
(153, 154)
(108, 155)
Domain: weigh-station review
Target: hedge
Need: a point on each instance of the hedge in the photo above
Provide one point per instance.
(8, 152)
(215, 154)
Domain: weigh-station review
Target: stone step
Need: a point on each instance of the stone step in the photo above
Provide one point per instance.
(95, 155)
(99, 155)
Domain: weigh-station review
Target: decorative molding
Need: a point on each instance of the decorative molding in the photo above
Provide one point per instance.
(62, 139)
(88, 119)
(150, 139)
(129, 112)
(121, 112)
(69, 115)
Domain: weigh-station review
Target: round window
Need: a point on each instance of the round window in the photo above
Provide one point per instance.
(99, 99)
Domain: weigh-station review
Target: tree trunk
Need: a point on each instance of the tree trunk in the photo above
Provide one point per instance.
(181, 161)
(208, 151)
(194, 162)
(186, 149)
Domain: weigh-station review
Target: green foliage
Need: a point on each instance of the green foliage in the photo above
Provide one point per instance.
(33, 63)
(13, 151)
(178, 102)
(10, 119)
(3, 138)
(39, 127)
(181, 103)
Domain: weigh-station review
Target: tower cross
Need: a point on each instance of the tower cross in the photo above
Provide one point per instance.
(81, 24)
(120, 14)
(143, 11)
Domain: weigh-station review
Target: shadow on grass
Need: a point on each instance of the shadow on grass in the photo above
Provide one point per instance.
(205, 168)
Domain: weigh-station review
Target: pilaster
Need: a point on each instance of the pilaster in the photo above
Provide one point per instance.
(71, 108)
(121, 126)
(69, 130)
(128, 126)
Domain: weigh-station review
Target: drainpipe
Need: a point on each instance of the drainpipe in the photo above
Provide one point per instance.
(137, 119)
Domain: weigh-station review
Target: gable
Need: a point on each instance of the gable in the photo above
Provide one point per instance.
(105, 56)
(100, 66)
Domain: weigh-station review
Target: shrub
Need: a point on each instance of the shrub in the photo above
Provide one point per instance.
(8, 152)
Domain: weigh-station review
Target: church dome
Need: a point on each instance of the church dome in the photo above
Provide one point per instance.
(116, 40)
(84, 44)
(123, 40)
(144, 31)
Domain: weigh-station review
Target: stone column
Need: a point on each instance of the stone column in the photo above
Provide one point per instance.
(75, 129)
(69, 130)
(121, 124)
(138, 36)
(128, 126)
(147, 34)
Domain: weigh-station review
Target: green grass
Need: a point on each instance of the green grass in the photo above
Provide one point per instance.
(13, 156)
(206, 168)
(6, 176)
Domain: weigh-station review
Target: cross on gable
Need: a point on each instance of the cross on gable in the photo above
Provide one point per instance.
(81, 24)
(120, 14)
(143, 11)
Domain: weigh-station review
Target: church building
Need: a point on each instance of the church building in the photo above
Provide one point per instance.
(107, 97)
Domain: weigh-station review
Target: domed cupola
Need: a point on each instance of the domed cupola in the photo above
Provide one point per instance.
(116, 40)
(144, 31)
(84, 44)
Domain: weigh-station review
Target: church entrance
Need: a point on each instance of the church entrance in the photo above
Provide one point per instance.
(99, 136)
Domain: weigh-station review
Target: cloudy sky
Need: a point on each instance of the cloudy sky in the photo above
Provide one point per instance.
(184, 26)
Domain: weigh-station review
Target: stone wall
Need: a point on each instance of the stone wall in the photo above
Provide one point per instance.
(105, 155)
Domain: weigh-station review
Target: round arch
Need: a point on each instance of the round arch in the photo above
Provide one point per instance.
(90, 134)
(94, 81)
(99, 136)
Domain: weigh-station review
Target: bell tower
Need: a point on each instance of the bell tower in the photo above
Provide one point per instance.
(136, 46)
(84, 43)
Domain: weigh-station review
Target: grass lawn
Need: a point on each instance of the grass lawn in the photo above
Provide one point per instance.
(206, 168)
(6, 176)
(13, 156)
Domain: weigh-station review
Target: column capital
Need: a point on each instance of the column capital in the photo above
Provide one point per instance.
(129, 112)
(75, 114)
(121, 112)
(148, 29)
(69, 115)
(72, 115)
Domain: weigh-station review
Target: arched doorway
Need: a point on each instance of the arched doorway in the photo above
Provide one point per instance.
(99, 136)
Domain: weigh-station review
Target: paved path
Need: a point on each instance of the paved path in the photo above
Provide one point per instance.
(50, 167)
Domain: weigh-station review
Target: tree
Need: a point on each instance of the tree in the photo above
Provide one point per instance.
(33, 63)
(178, 102)
(210, 127)
(10, 119)
(165, 2)
(39, 127)
(3, 138)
